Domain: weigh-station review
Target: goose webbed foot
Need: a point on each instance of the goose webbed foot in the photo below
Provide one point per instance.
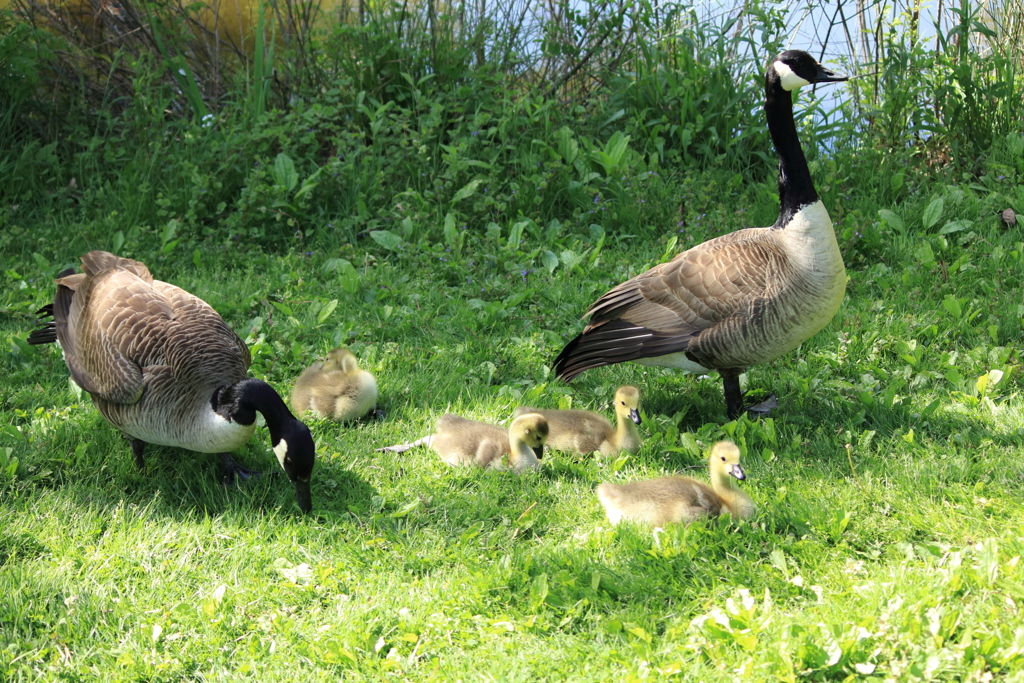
(764, 408)
(234, 472)
(138, 446)
(734, 398)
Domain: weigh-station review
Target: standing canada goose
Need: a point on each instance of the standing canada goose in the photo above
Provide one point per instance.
(582, 431)
(337, 388)
(740, 299)
(163, 367)
(681, 499)
(461, 441)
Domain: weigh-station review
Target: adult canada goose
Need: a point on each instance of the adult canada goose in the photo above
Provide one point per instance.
(740, 299)
(337, 388)
(681, 499)
(461, 441)
(582, 431)
(163, 367)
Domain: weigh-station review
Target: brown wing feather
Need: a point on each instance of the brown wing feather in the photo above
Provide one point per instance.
(122, 331)
(684, 305)
(107, 317)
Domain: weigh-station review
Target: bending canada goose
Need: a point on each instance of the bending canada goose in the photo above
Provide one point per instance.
(461, 441)
(740, 299)
(582, 431)
(337, 388)
(681, 499)
(162, 366)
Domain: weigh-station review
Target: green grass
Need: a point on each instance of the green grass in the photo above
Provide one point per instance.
(887, 545)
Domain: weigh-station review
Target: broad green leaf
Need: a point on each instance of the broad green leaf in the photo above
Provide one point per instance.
(891, 219)
(670, 248)
(466, 191)
(281, 306)
(896, 181)
(568, 148)
(386, 239)
(549, 260)
(326, 311)
(952, 305)
(285, 174)
(538, 590)
(515, 235)
(167, 234)
(570, 258)
(932, 213)
(349, 277)
(307, 187)
(954, 226)
(953, 376)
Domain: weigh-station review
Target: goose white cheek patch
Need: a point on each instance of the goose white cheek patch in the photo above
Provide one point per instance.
(281, 451)
(788, 78)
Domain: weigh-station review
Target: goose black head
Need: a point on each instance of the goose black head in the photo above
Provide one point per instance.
(796, 68)
(296, 452)
(289, 437)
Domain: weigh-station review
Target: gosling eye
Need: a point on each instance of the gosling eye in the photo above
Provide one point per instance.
(723, 458)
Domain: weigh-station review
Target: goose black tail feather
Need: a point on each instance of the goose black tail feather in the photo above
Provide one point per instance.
(617, 341)
(47, 334)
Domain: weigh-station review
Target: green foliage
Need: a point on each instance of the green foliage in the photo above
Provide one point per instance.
(406, 189)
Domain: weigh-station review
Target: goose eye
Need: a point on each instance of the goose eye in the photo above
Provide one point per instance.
(723, 458)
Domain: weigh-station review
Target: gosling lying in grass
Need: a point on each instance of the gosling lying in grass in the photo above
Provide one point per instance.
(582, 431)
(336, 389)
(681, 499)
(464, 442)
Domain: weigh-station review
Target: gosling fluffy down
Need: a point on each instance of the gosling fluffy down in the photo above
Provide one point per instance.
(464, 442)
(681, 499)
(583, 431)
(337, 389)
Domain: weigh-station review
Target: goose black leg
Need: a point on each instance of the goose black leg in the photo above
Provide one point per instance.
(138, 445)
(733, 395)
(233, 471)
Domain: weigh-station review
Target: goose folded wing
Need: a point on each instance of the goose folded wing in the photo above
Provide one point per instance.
(114, 328)
(697, 290)
(195, 314)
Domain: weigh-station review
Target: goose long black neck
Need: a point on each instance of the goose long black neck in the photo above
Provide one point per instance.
(796, 189)
(241, 401)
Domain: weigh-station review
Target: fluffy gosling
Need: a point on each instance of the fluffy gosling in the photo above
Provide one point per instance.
(681, 499)
(464, 442)
(583, 431)
(337, 389)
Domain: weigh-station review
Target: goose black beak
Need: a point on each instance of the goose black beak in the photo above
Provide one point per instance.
(302, 496)
(737, 472)
(634, 415)
(829, 76)
(538, 451)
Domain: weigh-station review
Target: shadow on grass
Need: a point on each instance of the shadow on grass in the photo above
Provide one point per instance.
(102, 472)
